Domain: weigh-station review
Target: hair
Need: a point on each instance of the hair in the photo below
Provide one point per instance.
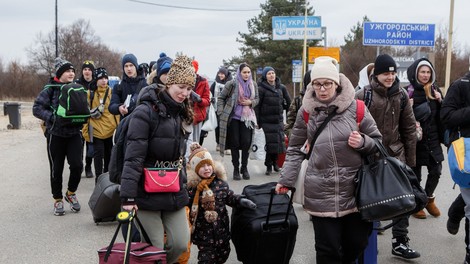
(188, 113)
(243, 65)
(427, 90)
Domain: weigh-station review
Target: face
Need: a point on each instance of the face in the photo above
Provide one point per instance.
(67, 76)
(325, 89)
(221, 76)
(245, 73)
(387, 78)
(102, 82)
(87, 74)
(271, 76)
(130, 70)
(205, 171)
(179, 92)
(424, 74)
(163, 78)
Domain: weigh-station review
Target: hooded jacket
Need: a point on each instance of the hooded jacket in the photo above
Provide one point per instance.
(397, 125)
(428, 149)
(269, 113)
(163, 147)
(329, 180)
(205, 232)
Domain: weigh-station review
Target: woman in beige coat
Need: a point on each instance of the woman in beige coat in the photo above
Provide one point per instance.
(340, 233)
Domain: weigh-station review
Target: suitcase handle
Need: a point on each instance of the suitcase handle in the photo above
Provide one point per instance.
(273, 192)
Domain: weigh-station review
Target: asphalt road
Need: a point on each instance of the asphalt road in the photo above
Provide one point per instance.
(30, 233)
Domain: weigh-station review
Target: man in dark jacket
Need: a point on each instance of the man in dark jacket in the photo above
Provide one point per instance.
(62, 141)
(455, 111)
(397, 124)
(124, 97)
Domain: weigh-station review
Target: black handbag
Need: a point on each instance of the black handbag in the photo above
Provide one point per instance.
(387, 188)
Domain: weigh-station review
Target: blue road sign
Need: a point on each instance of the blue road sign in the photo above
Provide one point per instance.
(296, 71)
(398, 34)
(293, 27)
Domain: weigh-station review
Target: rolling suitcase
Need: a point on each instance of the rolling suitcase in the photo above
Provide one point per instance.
(268, 233)
(105, 202)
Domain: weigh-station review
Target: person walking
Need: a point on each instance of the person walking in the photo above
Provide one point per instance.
(124, 98)
(63, 141)
(162, 121)
(209, 194)
(238, 119)
(87, 79)
(389, 104)
(426, 98)
(101, 126)
(221, 78)
(273, 100)
(340, 233)
(454, 115)
(295, 105)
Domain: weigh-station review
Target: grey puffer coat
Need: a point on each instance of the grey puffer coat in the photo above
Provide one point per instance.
(329, 181)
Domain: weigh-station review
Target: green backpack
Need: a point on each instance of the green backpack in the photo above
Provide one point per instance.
(73, 108)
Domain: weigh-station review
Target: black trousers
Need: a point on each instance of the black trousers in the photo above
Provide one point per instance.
(434, 173)
(340, 240)
(59, 148)
(271, 159)
(239, 138)
(102, 152)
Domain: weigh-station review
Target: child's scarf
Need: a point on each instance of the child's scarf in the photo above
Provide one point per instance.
(202, 186)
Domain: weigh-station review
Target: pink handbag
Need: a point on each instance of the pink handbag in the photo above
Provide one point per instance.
(161, 180)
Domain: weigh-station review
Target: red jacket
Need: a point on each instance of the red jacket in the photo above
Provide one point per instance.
(203, 90)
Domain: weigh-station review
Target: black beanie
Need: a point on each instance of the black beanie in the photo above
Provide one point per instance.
(88, 64)
(384, 63)
(62, 66)
(101, 73)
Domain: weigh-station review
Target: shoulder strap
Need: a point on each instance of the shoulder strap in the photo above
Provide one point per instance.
(367, 96)
(317, 133)
(360, 111)
(105, 96)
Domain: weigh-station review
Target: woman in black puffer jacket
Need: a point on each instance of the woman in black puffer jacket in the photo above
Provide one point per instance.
(161, 144)
(427, 99)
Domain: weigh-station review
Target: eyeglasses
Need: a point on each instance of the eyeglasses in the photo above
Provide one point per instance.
(326, 85)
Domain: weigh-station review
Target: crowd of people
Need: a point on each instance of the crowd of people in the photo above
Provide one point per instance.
(410, 121)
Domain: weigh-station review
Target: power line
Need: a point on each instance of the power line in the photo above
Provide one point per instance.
(195, 8)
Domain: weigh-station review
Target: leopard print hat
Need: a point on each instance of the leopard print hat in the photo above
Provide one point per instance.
(181, 72)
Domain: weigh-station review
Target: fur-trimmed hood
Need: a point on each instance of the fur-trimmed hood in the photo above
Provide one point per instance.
(194, 179)
(342, 101)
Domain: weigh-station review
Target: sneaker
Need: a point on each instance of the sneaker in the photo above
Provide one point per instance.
(59, 208)
(73, 201)
(401, 248)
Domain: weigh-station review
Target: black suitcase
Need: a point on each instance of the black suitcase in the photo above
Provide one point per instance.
(268, 233)
(105, 202)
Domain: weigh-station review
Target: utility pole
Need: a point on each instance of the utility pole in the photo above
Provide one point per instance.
(449, 45)
(56, 33)
(304, 52)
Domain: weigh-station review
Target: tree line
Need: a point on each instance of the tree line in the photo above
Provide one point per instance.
(78, 43)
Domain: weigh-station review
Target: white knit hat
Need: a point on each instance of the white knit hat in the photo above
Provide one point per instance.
(199, 156)
(325, 67)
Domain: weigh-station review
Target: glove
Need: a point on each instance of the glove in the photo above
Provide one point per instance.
(195, 97)
(247, 203)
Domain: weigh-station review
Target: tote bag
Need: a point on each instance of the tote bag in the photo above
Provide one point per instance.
(257, 145)
(299, 184)
(210, 123)
(384, 190)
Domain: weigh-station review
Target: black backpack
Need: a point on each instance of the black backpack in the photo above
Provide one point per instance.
(116, 162)
(73, 106)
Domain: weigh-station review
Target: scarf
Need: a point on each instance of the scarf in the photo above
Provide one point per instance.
(207, 203)
(246, 88)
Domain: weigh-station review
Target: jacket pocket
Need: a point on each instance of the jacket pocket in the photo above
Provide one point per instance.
(396, 148)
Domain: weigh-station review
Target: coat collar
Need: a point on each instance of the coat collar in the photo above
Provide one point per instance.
(194, 179)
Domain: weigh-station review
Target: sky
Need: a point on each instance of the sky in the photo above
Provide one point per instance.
(130, 26)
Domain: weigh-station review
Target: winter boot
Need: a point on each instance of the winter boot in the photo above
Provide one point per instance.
(432, 208)
(245, 174)
(276, 167)
(269, 170)
(401, 248)
(236, 174)
(456, 213)
(420, 214)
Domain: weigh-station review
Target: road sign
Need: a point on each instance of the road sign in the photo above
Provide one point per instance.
(296, 71)
(293, 27)
(398, 34)
(315, 52)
